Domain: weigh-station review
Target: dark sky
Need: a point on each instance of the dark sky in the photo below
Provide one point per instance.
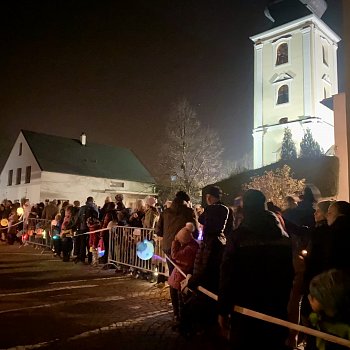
(114, 68)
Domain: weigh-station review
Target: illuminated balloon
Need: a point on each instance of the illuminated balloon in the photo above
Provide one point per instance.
(20, 211)
(4, 222)
(145, 250)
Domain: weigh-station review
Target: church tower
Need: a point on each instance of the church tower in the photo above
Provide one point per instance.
(295, 69)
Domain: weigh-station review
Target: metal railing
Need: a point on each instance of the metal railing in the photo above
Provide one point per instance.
(38, 232)
(123, 241)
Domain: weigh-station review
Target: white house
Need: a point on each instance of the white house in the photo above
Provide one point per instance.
(51, 167)
(295, 69)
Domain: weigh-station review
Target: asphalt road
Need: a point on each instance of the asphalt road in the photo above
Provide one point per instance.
(46, 303)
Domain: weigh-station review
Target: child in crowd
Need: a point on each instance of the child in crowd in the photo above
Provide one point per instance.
(330, 301)
(94, 238)
(183, 253)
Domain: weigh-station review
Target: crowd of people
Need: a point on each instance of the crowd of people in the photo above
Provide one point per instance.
(291, 263)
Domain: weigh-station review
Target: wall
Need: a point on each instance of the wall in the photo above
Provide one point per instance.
(75, 187)
(29, 190)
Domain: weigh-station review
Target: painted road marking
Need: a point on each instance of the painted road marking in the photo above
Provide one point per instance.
(92, 279)
(48, 290)
(71, 302)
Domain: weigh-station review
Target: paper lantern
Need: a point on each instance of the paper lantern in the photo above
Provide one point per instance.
(145, 250)
(4, 222)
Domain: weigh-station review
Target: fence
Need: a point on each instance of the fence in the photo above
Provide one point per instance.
(38, 232)
(123, 243)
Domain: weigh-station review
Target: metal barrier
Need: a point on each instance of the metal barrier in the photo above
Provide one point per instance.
(38, 232)
(123, 242)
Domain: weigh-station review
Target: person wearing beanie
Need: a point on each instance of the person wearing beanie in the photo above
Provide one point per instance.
(256, 273)
(183, 253)
(329, 299)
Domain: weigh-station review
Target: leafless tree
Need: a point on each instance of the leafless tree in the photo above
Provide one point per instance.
(191, 154)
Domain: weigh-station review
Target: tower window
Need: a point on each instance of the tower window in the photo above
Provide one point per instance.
(325, 55)
(283, 94)
(20, 149)
(282, 54)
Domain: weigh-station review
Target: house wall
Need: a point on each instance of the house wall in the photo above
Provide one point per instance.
(342, 145)
(75, 187)
(15, 191)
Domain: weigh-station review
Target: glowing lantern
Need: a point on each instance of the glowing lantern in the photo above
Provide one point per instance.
(20, 211)
(4, 222)
(145, 250)
(101, 252)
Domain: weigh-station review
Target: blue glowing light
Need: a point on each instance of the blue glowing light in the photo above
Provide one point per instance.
(145, 250)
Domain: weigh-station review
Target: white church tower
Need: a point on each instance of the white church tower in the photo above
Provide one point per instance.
(295, 69)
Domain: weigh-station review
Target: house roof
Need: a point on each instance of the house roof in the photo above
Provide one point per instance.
(68, 156)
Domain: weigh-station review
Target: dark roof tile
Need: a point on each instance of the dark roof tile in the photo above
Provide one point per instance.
(69, 156)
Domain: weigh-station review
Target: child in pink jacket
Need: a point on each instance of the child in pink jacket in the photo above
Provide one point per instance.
(183, 253)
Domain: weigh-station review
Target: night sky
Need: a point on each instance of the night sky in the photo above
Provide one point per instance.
(114, 68)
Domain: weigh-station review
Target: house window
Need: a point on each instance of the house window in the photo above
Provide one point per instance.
(283, 95)
(282, 54)
(9, 180)
(28, 174)
(20, 149)
(325, 55)
(18, 176)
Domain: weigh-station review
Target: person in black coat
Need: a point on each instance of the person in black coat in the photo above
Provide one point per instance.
(256, 273)
(338, 219)
(217, 221)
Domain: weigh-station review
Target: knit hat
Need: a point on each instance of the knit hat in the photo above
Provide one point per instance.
(184, 235)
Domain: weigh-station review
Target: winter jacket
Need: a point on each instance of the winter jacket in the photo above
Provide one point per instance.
(85, 212)
(208, 259)
(150, 218)
(256, 273)
(171, 221)
(183, 256)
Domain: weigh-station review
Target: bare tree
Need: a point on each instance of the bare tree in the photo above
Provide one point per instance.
(191, 155)
(235, 167)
